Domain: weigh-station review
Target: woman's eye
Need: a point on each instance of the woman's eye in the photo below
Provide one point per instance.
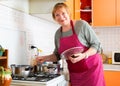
(63, 13)
(56, 14)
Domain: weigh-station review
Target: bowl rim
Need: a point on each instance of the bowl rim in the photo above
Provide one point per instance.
(62, 54)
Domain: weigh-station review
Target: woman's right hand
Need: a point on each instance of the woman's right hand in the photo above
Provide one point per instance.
(40, 59)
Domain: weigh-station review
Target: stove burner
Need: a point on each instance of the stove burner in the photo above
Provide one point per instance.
(17, 78)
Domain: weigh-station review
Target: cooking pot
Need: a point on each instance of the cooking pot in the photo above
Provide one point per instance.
(21, 70)
(47, 68)
(53, 68)
(37, 68)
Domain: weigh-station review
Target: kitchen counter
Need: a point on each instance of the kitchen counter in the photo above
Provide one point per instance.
(111, 67)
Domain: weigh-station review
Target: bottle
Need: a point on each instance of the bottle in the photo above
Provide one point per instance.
(109, 60)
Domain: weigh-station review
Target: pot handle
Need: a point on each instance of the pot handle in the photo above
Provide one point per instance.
(12, 65)
(29, 68)
(13, 68)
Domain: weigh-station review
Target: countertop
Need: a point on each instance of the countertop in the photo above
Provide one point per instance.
(111, 67)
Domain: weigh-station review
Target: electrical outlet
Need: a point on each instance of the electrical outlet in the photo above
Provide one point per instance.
(29, 46)
(32, 47)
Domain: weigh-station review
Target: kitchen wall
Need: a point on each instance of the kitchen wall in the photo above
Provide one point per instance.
(19, 30)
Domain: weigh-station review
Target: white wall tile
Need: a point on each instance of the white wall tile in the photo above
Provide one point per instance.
(109, 37)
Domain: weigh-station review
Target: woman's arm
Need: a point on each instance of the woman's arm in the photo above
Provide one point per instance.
(51, 57)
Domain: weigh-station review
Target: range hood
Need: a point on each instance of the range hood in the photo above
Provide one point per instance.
(42, 6)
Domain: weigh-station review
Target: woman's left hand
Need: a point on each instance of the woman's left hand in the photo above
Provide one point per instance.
(76, 57)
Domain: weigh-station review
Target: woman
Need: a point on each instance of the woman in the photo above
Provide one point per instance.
(86, 69)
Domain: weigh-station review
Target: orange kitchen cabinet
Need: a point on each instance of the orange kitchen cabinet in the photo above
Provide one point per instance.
(77, 9)
(74, 6)
(112, 78)
(71, 6)
(103, 12)
(118, 12)
(106, 13)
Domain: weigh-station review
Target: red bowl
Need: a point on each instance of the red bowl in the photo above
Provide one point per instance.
(71, 51)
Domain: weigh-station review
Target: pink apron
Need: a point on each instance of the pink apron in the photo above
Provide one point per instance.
(87, 72)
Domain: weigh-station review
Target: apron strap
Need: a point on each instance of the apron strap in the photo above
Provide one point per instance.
(71, 22)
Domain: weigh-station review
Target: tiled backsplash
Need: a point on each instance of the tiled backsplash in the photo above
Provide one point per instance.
(109, 37)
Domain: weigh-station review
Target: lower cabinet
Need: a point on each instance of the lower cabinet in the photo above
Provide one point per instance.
(112, 78)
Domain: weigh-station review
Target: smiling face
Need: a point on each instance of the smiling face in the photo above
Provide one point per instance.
(61, 14)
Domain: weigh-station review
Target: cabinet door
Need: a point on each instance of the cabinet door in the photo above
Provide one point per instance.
(71, 6)
(118, 12)
(74, 6)
(77, 9)
(103, 12)
(112, 78)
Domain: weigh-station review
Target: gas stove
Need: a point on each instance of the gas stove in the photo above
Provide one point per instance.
(39, 77)
(40, 80)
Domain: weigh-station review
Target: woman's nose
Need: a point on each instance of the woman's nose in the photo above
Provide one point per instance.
(61, 16)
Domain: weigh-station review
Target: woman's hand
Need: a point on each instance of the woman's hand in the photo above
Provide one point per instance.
(76, 57)
(41, 59)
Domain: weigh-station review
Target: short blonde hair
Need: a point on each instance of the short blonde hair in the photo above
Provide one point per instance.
(58, 6)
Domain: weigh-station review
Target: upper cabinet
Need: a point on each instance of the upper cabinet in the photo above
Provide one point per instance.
(71, 7)
(85, 10)
(76, 9)
(95, 12)
(118, 12)
(74, 6)
(100, 12)
(106, 13)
